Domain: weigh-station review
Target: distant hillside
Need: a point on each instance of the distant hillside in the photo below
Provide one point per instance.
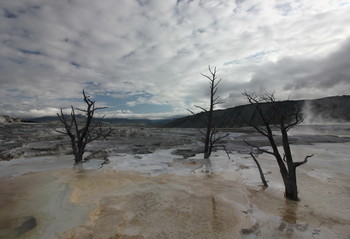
(119, 121)
(46, 119)
(325, 110)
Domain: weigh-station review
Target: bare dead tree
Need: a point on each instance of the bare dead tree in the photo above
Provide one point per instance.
(284, 121)
(210, 136)
(82, 133)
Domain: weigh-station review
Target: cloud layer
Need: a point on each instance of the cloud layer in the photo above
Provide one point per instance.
(144, 57)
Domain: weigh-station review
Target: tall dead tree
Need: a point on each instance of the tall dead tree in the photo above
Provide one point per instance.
(82, 131)
(210, 136)
(277, 116)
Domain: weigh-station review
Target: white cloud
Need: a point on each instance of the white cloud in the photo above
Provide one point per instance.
(144, 100)
(53, 49)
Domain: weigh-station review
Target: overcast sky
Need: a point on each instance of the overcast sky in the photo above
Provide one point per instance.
(143, 58)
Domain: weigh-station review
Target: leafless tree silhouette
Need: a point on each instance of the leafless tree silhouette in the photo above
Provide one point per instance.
(284, 121)
(82, 131)
(210, 136)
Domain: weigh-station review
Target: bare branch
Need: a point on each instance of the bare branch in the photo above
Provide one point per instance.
(214, 101)
(100, 108)
(284, 158)
(258, 148)
(201, 132)
(220, 138)
(298, 119)
(206, 76)
(217, 102)
(217, 83)
(224, 147)
(213, 73)
(214, 91)
(191, 112)
(201, 118)
(82, 110)
(259, 130)
(252, 98)
(262, 176)
(199, 107)
(297, 164)
(61, 132)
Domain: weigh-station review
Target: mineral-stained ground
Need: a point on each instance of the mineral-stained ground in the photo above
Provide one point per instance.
(154, 187)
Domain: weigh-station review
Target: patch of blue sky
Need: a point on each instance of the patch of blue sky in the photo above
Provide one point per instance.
(285, 8)
(121, 103)
(73, 63)
(233, 62)
(9, 14)
(112, 102)
(253, 9)
(130, 54)
(260, 54)
(179, 1)
(253, 57)
(30, 52)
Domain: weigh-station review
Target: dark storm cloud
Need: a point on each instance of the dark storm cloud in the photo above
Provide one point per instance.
(328, 72)
(295, 78)
(295, 74)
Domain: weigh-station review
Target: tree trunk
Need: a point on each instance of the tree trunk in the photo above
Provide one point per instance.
(207, 164)
(207, 142)
(78, 157)
(290, 184)
(291, 190)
